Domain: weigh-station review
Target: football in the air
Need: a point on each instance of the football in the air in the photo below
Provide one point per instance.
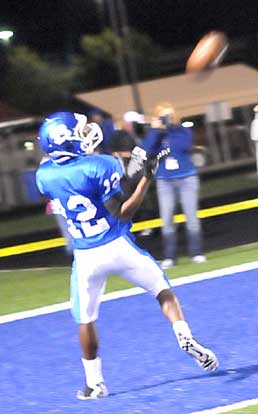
(208, 53)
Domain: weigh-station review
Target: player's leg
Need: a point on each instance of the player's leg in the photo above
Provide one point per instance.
(170, 305)
(189, 196)
(86, 291)
(95, 385)
(89, 340)
(141, 269)
(167, 200)
(172, 310)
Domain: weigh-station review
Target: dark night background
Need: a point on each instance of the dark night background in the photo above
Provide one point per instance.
(54, 26)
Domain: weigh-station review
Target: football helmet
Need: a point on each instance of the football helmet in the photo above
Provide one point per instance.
(64, 135)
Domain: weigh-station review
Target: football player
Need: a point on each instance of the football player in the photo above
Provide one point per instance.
(86, 189)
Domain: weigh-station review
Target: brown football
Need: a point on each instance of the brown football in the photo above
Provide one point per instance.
(208, 53)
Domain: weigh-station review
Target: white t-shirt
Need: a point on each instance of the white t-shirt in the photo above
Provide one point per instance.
(254, 130)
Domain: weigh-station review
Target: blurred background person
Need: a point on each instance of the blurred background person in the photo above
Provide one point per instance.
(254, 133)
(120, 146)
(176, 180)
(106, 124)
(134, 124)
(62, 225)
(53, 208)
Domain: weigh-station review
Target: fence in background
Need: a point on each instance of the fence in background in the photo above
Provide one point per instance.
(221, 142)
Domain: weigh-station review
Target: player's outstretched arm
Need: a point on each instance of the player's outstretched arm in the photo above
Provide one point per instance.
(131, 205)
(125, 209)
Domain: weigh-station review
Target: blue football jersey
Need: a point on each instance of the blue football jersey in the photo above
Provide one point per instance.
(79, 189)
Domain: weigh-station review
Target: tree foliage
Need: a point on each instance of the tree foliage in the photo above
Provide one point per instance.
(97, 64)
(99, 61)
(34, 85)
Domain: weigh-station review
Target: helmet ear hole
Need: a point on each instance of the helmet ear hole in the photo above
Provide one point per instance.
(69, 146)
(86, 129)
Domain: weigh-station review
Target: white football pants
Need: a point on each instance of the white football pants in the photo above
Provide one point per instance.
(92, 267)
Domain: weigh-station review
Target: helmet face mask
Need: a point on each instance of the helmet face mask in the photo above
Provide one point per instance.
(65, 135)
(92, 136)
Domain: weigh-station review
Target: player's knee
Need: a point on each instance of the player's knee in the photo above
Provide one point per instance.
(83, 319)
(166, 295)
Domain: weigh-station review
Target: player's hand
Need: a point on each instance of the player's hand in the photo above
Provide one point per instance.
(140, 161)
(152, 163)
(151, 166)
(137, 161)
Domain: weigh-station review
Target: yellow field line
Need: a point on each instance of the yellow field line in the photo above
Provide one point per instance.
(32, 247)
(147, 224)
(204, 213)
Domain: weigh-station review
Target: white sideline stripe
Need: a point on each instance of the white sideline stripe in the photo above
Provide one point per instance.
(230, 407)
(44, 310)
(132, 291)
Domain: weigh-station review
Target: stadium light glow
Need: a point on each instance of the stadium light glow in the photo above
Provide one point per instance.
(6, 35)
(187, 124)
(29, 146)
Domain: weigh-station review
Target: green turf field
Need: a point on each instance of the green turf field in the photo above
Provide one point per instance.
(248, 410)
(28, 289)
(32, 288)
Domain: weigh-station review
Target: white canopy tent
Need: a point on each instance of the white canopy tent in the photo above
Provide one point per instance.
(189, 93)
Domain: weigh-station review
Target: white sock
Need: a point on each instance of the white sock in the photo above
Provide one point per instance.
(93, 371)
(182, 329)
